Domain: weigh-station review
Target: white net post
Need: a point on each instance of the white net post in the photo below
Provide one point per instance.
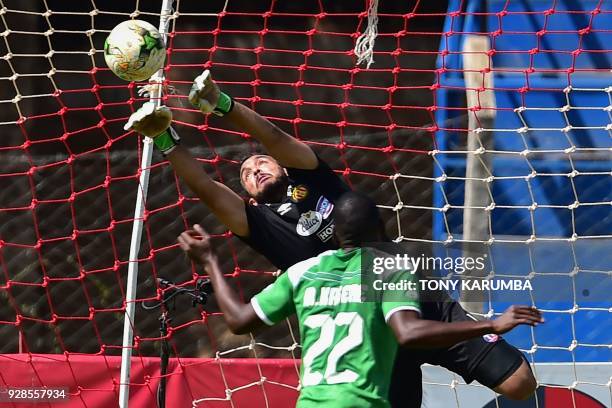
(291, 68)
(132, 278)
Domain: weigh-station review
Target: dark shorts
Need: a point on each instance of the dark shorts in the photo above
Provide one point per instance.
(490, 360)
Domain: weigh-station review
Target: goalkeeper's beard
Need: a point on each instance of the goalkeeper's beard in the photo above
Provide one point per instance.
(273, 191)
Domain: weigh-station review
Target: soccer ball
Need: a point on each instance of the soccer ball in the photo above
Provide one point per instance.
(134, 50)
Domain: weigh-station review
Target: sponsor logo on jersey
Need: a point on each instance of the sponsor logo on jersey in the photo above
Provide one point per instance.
(326, 233)
(284, 208)
(324, 207)
(308, 223)
(299, 193)
(490, 338)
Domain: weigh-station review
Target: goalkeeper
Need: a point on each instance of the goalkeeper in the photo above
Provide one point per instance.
(296, 187)
(347, 348)
(288, 218)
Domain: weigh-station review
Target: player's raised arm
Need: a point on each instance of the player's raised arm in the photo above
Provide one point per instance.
(239, 316)
(412, 331)
(222, 201)
(287, 150)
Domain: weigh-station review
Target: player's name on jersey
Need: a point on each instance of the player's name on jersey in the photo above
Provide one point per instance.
(332, 295)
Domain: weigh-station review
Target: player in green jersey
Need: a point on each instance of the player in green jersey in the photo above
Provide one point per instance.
(348, 345)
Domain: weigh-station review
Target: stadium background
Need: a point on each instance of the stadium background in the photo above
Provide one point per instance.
(91, 208)
(84, 240)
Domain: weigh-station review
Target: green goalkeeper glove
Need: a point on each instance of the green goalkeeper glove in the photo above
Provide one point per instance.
(154, 122)
(206, 96)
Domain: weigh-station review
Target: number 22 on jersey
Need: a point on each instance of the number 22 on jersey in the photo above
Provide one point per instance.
(353, 339)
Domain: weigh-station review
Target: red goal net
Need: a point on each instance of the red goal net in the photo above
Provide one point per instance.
(70, 175)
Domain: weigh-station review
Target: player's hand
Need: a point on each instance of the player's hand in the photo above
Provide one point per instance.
(206, 96)
(156, 89)
(204, 93)
(196, 243)
(516, 315)
(149, 120)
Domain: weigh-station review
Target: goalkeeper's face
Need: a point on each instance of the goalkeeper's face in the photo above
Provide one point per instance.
(263, 178)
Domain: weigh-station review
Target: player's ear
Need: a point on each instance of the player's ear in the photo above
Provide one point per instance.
(252, 201)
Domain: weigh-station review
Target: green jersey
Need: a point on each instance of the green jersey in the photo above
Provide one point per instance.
(348, 350)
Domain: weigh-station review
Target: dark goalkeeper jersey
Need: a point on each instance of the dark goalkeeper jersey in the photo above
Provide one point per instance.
(300, 226)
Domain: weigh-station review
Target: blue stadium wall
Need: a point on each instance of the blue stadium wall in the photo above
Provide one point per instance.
(592, 329)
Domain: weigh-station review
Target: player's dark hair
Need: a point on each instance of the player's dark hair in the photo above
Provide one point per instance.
(256, 151)
(357, 220)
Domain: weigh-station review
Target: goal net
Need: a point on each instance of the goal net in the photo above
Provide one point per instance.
(478, 121)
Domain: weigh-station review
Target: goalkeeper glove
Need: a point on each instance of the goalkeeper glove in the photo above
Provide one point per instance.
(206, 96)
(154, 122)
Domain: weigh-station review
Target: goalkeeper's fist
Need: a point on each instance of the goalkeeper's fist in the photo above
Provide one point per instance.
(206, 96)
(154, 122)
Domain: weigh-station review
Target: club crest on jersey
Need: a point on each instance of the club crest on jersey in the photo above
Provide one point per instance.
(308, 223)
(324, 207)
(299, 193)
(490, 338)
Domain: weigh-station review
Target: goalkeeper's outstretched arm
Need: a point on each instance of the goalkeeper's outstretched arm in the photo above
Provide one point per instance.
(154, 122)
(287, 150)
(220, 199)
(412, 331)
